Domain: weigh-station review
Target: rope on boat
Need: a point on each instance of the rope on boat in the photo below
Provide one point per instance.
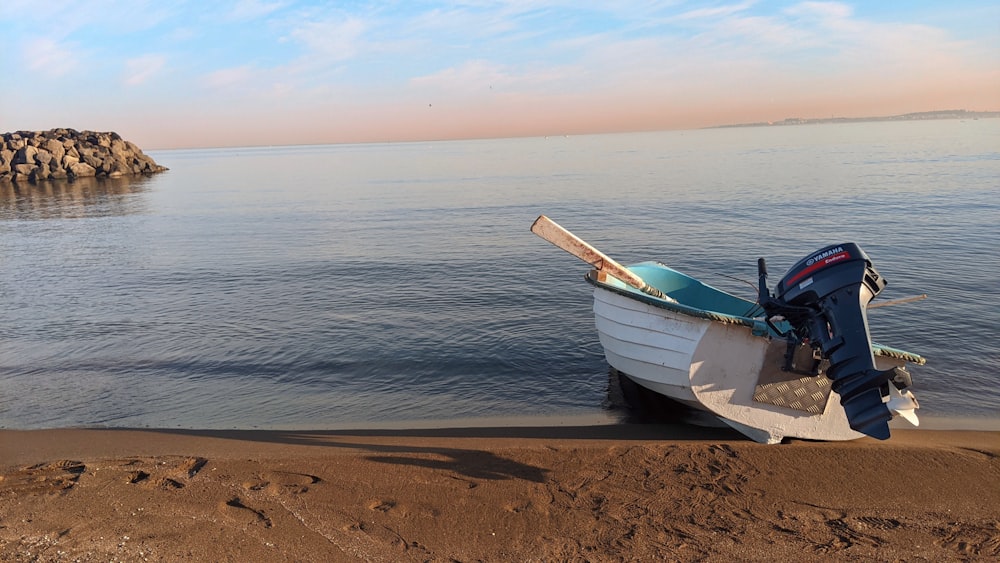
(897, 354)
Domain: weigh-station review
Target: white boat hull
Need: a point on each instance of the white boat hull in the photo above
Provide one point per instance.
(718, 367)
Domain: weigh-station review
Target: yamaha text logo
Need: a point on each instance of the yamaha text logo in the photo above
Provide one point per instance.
(813, 259)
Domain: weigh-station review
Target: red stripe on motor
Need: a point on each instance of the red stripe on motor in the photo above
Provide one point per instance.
(819, 265)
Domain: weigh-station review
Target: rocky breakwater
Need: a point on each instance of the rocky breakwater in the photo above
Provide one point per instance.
(32, 156)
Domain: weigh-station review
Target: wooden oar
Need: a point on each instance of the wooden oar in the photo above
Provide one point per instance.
(554, 233)
(899, 301)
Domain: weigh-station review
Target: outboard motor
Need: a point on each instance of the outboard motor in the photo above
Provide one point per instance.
(824, 297)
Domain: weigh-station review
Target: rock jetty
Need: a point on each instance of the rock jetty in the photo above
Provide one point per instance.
(67, 154)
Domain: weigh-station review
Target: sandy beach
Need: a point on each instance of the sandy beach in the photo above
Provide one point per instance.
(612, 492)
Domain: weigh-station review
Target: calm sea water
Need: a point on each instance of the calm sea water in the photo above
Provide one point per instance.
(324, 286)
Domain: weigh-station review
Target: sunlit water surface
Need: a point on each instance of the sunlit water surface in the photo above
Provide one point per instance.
(327, 286)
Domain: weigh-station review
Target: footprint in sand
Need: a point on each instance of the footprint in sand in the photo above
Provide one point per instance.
(381, 505)
(42, 479)
(235, 509)
(137, 476)
(164, 472)
(877, 523)
(280, 483)
(972, 539)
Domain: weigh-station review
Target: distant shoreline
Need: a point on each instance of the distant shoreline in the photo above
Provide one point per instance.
(916, 116)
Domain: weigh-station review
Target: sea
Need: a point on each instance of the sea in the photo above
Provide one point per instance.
(356, 285)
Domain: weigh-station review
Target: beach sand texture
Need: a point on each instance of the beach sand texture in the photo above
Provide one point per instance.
(582, 493)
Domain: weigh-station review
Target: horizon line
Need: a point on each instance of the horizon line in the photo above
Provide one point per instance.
(801, 121)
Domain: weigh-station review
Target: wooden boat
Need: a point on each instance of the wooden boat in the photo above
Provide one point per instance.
(734, 358)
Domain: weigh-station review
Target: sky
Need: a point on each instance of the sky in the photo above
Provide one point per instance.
(175, 74)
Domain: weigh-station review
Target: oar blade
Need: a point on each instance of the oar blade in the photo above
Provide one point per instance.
(559, 236)
(554, 233)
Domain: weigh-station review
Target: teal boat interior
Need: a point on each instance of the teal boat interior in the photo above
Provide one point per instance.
(698, 299)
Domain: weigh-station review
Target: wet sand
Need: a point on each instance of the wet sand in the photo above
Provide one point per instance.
(610, 492)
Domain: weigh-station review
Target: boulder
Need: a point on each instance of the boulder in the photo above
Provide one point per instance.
(55, 147)
(118, 149)
(25, 155)
(24, 169)
(39, 173)
(56, 170)
(82, 170)
(91, 158)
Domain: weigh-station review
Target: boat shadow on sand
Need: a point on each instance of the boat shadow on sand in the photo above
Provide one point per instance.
(637, 405)
(642, 416)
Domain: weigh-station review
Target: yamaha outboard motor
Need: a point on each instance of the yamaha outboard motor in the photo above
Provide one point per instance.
(824, 297)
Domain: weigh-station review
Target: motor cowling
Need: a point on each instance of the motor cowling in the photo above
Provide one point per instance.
(824, 297)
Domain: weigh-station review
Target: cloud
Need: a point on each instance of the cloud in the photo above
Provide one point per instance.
(823, 11)
(473, 75)
(331, 40)
(253, 9)
(653, 59)
(65, 17)
(49, 57)
(140, 69)
(231, 77)
(741, 50)
(713, 12)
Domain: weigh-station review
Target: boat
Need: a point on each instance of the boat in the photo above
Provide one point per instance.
(795, 363)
